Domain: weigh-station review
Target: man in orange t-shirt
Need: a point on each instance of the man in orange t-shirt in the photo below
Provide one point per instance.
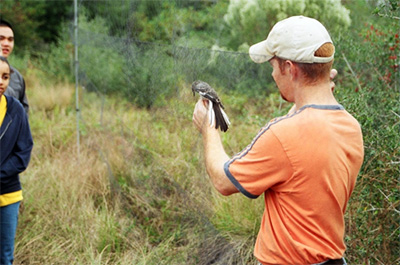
(305, 163)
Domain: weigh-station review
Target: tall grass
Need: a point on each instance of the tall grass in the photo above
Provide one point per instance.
(137, 193)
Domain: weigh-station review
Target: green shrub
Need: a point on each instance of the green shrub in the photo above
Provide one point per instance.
(59, 58)
(149, 74)
(368, 87)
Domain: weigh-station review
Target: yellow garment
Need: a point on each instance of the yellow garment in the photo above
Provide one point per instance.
(10, 198)
(3, 108)
(13, 197)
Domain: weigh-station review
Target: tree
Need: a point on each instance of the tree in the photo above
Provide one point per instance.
(35, 23)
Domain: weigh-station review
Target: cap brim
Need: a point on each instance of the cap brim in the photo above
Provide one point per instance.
(258, 52)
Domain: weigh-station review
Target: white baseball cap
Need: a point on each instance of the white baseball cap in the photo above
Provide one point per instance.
(294, 38)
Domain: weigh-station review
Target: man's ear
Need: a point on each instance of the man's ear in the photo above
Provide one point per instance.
(291, 69)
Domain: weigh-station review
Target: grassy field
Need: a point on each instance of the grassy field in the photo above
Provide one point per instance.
(137, 192)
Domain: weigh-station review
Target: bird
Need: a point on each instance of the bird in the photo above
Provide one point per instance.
(216, 111)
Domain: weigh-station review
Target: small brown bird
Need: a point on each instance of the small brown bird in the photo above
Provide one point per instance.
(216, 111)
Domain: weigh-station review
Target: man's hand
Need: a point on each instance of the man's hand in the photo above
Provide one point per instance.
(200, 115)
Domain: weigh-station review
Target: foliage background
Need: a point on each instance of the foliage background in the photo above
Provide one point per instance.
(137, 192)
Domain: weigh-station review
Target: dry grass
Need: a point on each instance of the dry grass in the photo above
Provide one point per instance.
(137, 193)
(47, 95)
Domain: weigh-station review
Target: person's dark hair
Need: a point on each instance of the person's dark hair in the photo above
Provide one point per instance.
(4, 23)
(4, 59)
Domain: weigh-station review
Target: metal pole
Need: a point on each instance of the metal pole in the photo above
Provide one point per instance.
(76, 63)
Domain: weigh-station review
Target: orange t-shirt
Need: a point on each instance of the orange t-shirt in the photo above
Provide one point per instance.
(306, 164)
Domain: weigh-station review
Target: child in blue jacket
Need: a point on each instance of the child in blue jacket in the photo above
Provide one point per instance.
(15, 151)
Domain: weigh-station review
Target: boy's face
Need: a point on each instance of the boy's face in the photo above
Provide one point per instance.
(4, 77)
(6, 40)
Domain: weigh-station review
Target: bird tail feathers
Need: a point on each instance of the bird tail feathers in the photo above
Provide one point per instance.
(221, 119)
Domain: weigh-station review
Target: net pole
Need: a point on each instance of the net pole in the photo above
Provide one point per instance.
(76, 64)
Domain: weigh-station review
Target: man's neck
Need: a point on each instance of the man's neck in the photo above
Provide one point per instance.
(319, 94)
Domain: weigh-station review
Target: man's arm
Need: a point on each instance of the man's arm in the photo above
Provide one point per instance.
(24, 99)
(215, 155)
(17, 88)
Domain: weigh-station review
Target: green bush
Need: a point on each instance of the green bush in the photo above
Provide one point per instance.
(149, 74)
(59, 58)
(112, 65)
(368, 87)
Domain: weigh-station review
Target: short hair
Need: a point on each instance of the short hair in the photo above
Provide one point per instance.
(315, 71)
(4, 59)
(4, 23)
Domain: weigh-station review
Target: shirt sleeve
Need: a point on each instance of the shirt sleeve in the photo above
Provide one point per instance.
(259, 167)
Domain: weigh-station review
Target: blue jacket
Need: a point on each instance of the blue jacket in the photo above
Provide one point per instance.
(15, 146)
